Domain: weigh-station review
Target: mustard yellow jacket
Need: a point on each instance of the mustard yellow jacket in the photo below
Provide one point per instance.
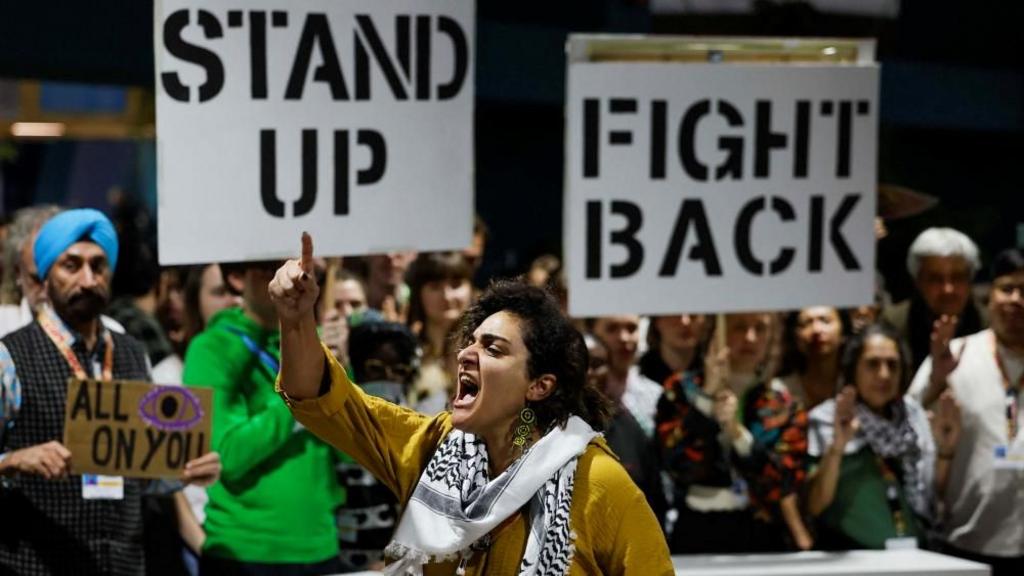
(616, 531)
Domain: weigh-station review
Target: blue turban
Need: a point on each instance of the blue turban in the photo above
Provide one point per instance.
(67, 228)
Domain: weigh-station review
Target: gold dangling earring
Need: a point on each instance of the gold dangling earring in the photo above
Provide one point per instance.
(526, 419)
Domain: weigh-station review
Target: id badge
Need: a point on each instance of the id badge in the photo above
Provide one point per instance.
(1007, 459)
(740, 491)
(901, 543)
(97, 487)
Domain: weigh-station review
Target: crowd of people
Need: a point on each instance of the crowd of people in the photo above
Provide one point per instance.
(891, 425)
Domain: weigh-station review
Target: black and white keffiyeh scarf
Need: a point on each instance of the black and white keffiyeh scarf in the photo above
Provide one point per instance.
(455, 505)
(895, 438)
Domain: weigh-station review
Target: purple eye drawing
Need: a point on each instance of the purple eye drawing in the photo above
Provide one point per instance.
(170, 408)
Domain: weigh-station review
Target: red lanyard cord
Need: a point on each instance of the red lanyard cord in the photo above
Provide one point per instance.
(69, 355)
(1012, 392)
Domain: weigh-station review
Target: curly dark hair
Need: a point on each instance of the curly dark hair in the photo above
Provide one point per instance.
(554, 345)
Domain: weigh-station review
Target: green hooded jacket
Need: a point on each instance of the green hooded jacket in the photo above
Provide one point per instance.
(278, 490)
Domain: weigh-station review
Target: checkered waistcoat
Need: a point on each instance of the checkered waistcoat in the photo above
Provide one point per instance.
(46, 527)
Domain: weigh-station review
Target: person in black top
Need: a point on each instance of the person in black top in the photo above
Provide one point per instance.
(675, 343)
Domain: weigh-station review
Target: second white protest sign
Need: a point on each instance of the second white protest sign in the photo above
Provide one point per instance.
(714, 187)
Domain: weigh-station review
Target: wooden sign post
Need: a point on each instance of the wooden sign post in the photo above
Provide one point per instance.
(135, 429)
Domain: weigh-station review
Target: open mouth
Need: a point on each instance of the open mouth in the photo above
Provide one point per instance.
(467, 391)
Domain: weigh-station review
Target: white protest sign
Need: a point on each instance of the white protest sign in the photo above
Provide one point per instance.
(352, 120)
(719, 187)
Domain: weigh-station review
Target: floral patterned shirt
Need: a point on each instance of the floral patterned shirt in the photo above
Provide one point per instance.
(693, 453)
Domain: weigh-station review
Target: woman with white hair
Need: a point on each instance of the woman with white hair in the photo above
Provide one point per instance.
(942, 262)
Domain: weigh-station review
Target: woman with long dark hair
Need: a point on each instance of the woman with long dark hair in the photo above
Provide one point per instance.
(813, 339)
(440, 289)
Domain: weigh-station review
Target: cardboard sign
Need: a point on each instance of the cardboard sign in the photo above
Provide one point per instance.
(351, 120)
(697, 187)
(135, 429)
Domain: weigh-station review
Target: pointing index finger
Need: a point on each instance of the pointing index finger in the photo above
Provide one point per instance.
(307, 253)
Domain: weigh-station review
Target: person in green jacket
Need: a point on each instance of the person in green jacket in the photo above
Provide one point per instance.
(272, 511)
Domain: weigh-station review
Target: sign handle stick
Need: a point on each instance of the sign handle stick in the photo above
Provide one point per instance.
(327, 292)
(716, 349)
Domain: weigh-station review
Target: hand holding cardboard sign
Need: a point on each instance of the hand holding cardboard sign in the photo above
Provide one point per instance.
(202, 471)
(50, 460)
(294, 289)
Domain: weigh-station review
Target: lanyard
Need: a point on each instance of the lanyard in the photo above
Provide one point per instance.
(76, 367)
(892, 496)
(266, 358)
(1012, 391)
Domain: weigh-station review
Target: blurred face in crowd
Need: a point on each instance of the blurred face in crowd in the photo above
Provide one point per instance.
(945, 283)
(445, 300)
(621, 334)
(493, 378)
(818, 331)
(214, 296)
(170, 299)
(389, 269)
(597, 370)
(878, 372)
(28, 278)
(78, 284)
(681, 332)
(863, 316)
(748, 337)
(386, 364)
(253, 282)
(1006, 309)
(349, 297)
(475, 253)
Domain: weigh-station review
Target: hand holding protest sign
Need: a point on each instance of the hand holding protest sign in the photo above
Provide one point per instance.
(49, 460)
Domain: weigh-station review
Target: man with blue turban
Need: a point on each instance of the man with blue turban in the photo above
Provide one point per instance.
(64, 526)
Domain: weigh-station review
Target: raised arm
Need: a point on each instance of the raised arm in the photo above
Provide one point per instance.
(826, 477)
(294, 292)
(943, 362)
(392, 442)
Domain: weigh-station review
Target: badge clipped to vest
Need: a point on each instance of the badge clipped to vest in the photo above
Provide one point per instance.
(1008, 457)
(99, 487)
